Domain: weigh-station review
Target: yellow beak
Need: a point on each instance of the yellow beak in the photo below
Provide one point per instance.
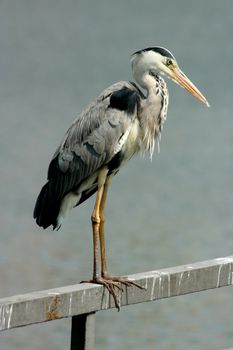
(177, 75)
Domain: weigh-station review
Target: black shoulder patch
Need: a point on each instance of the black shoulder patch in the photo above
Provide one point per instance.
(124, 100)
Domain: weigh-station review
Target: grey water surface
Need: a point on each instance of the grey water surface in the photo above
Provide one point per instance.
(56, 56)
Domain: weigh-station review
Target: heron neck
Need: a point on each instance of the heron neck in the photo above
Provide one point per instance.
(147, 82)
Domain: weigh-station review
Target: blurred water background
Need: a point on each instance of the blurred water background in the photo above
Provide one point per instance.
(55, 57)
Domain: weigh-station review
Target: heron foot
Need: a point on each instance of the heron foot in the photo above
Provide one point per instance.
(112, 284)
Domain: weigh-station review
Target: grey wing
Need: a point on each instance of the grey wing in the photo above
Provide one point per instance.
(94, 138)
(91, 142)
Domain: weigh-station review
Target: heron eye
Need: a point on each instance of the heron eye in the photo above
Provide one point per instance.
(169, 62)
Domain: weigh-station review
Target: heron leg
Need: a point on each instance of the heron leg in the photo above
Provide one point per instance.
(110, 280)
(97, 218)
(101, 229)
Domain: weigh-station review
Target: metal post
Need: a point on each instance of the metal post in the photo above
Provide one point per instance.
(83, 332)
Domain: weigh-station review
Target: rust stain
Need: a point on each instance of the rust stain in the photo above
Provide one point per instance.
(52, 312)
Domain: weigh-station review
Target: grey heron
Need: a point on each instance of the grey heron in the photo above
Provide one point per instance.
(119, 123)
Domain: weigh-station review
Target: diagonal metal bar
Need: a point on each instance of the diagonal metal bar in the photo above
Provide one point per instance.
(78, 299)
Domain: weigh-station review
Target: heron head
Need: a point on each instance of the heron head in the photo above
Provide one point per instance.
(158, 60)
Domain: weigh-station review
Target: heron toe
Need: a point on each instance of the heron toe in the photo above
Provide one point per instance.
(113, 284)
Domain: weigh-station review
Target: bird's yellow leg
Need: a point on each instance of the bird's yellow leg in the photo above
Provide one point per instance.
(101, 229)
(110, 280)
(95, 219)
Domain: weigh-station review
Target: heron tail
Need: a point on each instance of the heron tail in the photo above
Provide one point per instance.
(47, 207)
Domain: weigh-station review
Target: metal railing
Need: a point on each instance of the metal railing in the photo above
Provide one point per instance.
(82, 301)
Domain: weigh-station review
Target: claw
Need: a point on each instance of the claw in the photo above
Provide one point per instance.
(114, 282)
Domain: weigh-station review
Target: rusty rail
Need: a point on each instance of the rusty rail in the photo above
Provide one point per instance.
(81, 301)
